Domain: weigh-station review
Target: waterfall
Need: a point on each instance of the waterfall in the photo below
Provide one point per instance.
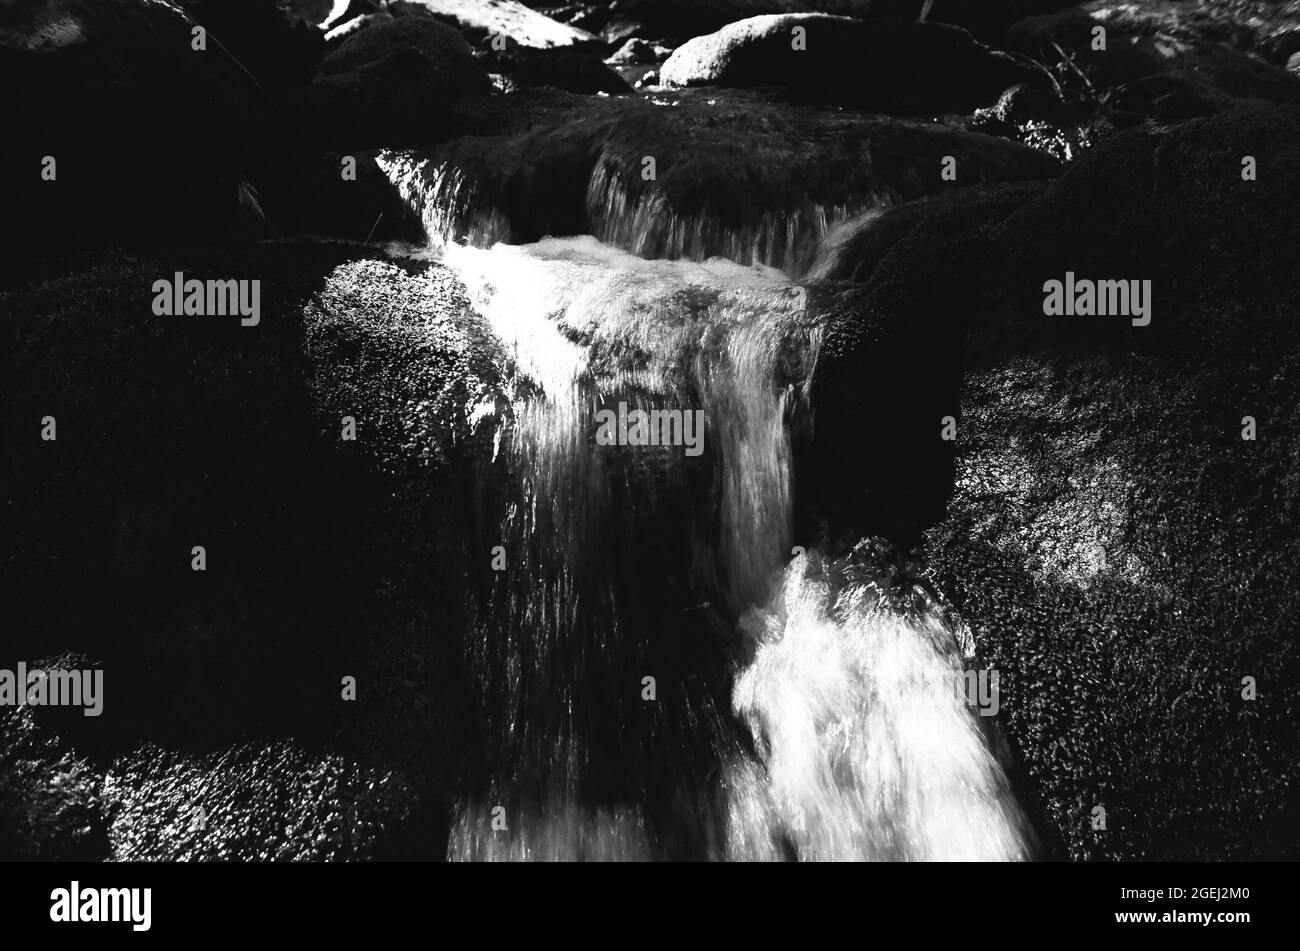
(656, 681)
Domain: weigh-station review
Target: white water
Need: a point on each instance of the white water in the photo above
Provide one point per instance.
(853, 755)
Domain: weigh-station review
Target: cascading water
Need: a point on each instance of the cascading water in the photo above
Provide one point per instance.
(653, 683)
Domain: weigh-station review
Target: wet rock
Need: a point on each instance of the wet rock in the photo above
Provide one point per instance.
(259, 804)
(1061, 126)
(557, 67)
(852, 249)
(888, 66)
(314, 12)
(390, 83)
(311, 196)
(97, 78)
(276, 48)
(635, 52)
(876, 463)
(50, 795)
(437, 42)
(480, 20)
(242, 648)
(729, 174)
(1038, 36)
(1163, 61)
(997, 296)
(1108, 518)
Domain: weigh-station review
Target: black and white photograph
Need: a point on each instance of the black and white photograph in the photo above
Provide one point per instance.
(649, 431)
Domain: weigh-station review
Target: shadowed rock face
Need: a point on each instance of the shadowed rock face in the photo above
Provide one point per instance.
(1108, 519)
(558, 67)
(389, 83)
(245, 450)
(276, 48)
(895, 67)
(442, 45)
(139, 126)
(852, 249)
(753, 181)
(1167, 61)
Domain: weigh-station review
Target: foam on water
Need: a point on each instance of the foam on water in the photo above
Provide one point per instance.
(791, 718)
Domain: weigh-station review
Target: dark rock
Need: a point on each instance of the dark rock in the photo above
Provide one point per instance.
(887, 66)
(1163, 61)
(310, 196)
(232, 806)
(1128, 216)
(277, 49)
(1039, 36)
(1109, 520)
(51, 807)
(1061, 126)
(889, 369)
(558, 67)
(243, 648)
(388, 84)
(1281, 46)
(314, 12)
(437, 42)
(852, 249)
(733, 175)
(150, 138)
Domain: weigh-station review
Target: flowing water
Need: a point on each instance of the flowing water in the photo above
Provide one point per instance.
(660, 674)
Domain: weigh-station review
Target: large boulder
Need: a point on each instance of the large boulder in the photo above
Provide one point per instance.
(258, 803)
(442, 45)
(1123, 556)
(230, 437)
(852, 248)
(277, 48)
(314, 12)
(391, 83)
(559, 67)
(480, 20)
(51, 807)
(887, 66)
(115, 97)
(1165, 61)
(714, 175)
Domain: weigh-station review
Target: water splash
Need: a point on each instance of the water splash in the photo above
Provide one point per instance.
(789, 730)
(864, 757)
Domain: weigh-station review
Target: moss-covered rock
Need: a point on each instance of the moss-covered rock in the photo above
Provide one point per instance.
(1124, 557)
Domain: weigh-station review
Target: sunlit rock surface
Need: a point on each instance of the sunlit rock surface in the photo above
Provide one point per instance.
(482, 19)
(901, 68)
